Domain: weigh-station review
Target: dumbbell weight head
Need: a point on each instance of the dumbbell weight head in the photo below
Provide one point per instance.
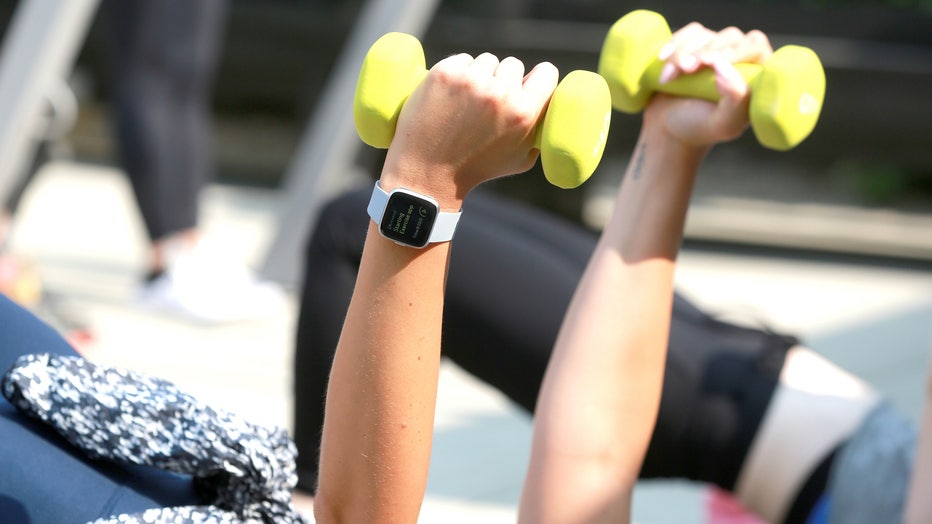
(575, 128)
(571, 135)
(786, 92)
(786, 97)
(392, 69)
(629, 56)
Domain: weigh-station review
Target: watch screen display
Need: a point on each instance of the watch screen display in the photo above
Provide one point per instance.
(408, 219)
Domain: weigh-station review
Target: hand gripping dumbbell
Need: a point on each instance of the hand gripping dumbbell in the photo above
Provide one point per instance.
(786, 91)
(571, 136)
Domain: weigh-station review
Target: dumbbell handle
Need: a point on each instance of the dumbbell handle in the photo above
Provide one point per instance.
(786, 92)
(700, 84)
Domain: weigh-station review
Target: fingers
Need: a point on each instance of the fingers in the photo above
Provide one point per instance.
(540, 83)
(510, 70)
(476, 116)
(503, 76)
(505, 79)
(453, 63)
(731, 45)
(680, 52)
(728, 81)
(483, 67)
(695, 46)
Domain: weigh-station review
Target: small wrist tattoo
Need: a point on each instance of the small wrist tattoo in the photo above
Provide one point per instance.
(638, 161)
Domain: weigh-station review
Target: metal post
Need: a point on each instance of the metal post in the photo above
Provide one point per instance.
(39, 50)
(328, 148)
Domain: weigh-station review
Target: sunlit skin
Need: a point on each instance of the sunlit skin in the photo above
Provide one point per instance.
(472, 120)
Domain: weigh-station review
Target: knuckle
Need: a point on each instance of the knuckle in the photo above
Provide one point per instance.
(731, 32)
(690, 30)
(446, 75)
(694, 26)
(758, 37)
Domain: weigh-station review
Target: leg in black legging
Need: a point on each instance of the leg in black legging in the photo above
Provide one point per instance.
(494, 265)
(163, 59)
(524, 265)
(331, 263)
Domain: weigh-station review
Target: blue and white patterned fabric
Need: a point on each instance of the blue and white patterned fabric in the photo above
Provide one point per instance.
(244, 472)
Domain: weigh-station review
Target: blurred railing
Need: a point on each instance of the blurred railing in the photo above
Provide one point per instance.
(872, 146)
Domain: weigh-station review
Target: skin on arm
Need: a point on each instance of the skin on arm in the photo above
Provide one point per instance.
(469, 121)
(600, 395)
(918, 507)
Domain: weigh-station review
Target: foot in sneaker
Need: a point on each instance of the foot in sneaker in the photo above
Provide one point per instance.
(211, 289)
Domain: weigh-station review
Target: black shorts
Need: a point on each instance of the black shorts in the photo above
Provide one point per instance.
(718, 383)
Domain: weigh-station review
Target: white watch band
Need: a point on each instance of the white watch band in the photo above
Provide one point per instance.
(444, 226)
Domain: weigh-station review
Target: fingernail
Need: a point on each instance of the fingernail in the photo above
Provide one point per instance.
(689, 63)
(711, 58)
(730, 74)
(666, 51)
(667, 73)
(727, 70)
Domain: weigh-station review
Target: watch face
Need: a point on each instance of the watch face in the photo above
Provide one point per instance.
(408, 219)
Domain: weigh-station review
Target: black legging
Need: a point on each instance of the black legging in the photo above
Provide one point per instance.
(513, 270)
(163, 56)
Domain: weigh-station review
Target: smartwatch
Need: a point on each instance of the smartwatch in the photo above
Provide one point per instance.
(411, 219)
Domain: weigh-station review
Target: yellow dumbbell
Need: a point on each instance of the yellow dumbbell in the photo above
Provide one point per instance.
(571, 136)
(786, 92)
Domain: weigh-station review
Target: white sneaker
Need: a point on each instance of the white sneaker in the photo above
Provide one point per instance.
(212, 290)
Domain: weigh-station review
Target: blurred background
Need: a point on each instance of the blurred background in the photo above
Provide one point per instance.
(871, 150)
(832, 240)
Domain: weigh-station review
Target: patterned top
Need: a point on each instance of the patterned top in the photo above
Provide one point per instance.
(244, 472)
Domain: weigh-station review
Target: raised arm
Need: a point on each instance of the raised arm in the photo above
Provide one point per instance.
(918, 506)
(469, 121)
(600, 395)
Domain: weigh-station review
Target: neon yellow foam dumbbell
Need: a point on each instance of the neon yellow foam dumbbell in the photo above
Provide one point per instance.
(787, 91)
(571, 136)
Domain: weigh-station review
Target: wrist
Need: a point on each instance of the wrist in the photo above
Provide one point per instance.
(684, 134)
(411, 218)
(674, 153)
(434, 181)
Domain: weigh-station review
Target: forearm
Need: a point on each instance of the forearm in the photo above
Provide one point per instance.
(918, 504)
(599, 399)
(381, 397)
(469, 121)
